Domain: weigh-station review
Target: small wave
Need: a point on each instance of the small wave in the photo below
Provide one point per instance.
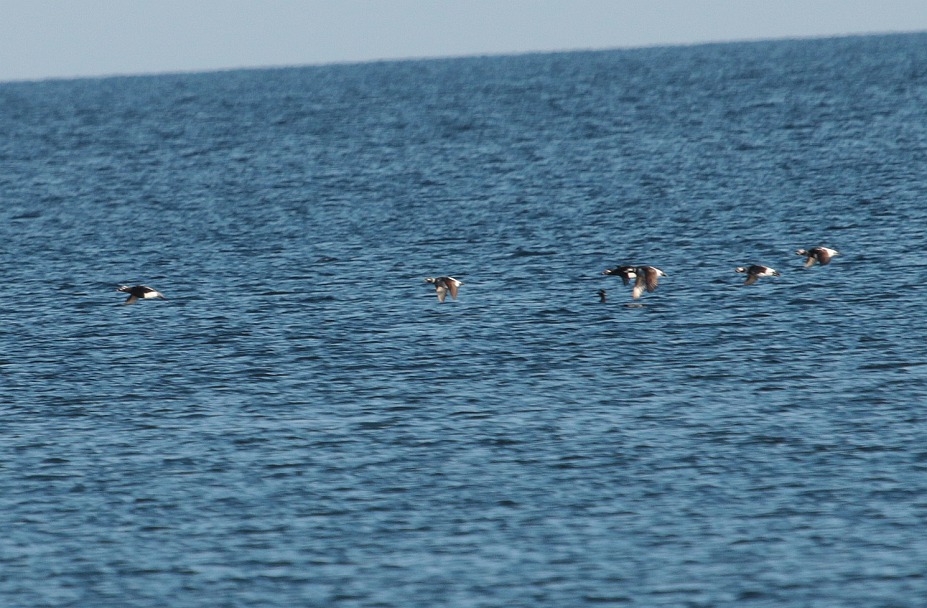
(527, 253)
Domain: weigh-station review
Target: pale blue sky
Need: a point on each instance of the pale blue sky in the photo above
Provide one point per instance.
(65, 38)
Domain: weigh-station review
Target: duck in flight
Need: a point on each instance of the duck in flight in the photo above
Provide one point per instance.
(821, 255)
(445, 285)
(140, 292)
(756, 271)
(625, 272)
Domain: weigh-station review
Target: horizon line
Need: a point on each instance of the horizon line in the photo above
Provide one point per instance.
(474, 55)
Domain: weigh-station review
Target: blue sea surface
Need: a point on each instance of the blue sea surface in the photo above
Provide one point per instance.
(302, 423)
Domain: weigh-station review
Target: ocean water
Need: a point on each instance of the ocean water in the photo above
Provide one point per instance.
(301, 423)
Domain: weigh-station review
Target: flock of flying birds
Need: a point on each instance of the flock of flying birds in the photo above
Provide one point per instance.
(645, 278)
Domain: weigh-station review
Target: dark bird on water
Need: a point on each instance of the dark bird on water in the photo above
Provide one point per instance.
(445, 285)
(821, 255)
(138, 292)
(756, 271)
(602, 296)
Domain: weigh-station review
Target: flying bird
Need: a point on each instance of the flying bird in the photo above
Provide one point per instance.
(821, 255)
(625, 272)
(140, 292)
(756, 271)
(445, 285)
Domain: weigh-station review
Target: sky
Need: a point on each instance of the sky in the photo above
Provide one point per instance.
(42, 39)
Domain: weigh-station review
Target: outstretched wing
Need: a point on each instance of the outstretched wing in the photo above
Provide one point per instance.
(441, 291)
(452, 286)
(751, 279)
(638, 286)
(652, 277)
(823, 256)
